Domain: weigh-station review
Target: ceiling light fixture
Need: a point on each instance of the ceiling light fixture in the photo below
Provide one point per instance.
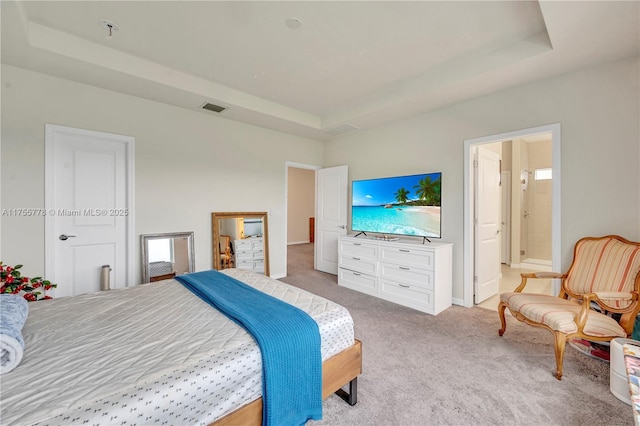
(293, 23)
(110, 27)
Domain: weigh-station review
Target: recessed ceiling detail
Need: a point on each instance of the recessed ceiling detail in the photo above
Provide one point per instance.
(339, 130)
(362, 63)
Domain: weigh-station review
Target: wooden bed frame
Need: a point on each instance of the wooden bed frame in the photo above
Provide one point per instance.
(339, 370)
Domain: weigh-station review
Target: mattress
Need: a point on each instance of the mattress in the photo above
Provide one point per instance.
(150, 353)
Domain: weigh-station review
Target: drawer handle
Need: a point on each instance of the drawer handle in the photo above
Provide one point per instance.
(404, 286)
(357, 244)
(404, 268)
(356, 258)
(405, 250)
(356, 274)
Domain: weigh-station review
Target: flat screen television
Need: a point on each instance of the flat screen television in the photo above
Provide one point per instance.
(401, 205)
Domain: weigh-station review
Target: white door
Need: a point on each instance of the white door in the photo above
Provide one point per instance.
(331, 216)
(88, 199)
(487, 225)
(505, 221)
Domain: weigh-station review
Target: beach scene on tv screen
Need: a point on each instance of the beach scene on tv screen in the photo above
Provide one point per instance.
(403, 205)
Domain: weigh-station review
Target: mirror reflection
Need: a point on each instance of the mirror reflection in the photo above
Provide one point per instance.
(166, 255)
(240, 240)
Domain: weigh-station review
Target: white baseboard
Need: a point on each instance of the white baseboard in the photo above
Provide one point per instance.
(456, 301)
(536, 264)
(298, 242)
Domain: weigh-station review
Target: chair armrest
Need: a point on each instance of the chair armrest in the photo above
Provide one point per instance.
(581, 318)
(614, 301)
(543, 275)
(547, 275)
(614, 295)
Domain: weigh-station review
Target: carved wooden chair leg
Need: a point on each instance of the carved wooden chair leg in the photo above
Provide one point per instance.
(501, 308)
(560, 344)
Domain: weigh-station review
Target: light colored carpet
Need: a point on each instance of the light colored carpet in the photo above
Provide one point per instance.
(454, 369)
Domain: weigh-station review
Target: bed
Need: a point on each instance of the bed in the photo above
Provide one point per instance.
(156, 352)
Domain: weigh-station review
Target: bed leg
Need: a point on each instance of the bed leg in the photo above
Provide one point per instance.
(352, 396)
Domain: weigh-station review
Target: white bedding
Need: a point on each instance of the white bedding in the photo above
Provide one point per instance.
(149, 353)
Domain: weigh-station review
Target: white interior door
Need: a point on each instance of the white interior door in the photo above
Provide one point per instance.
(331, 216)
(505, 221)
(89, 209)
(487, 228)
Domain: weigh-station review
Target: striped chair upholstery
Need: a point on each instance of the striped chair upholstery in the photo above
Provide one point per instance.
(605, 272)
(602, 266)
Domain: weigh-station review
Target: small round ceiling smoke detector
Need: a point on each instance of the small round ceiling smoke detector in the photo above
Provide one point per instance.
(293, 23)
(109, 26)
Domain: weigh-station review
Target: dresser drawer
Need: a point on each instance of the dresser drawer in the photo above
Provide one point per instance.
(358, 249)
(407, 256)
(243, 245)
(358, 264)
(257, 245)
(409, 275)
(357, 281)
(258, 254)
(244, 264)
(408, 295)
(258, 266)
(244, 255)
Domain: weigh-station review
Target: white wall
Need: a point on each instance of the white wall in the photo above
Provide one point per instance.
(188, 164)
(599, 111)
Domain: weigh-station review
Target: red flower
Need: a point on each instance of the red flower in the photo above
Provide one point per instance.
(12, 281)
(47, 298)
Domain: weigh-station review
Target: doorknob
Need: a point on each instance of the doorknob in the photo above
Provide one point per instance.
(64, 237)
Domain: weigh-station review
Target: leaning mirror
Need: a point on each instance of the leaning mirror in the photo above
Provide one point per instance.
(240, 240)
(166, 255)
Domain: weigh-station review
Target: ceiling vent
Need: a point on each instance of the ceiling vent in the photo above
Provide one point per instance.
(211, 107)
(344, 128)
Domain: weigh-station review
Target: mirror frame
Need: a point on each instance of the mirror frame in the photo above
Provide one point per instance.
(215, 234)
(145, 254)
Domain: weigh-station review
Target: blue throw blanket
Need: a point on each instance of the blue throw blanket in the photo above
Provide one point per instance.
(13, 314)
(289, 340)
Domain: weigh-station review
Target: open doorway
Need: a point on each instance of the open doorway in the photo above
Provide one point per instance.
(300, 220)
(471, 256)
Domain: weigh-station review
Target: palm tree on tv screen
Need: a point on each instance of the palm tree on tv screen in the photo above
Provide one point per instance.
(401, 195)
(429, 191)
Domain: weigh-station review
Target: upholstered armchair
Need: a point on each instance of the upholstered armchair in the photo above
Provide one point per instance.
(598, 299)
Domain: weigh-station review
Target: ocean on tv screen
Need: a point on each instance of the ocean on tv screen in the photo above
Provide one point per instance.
(420, 221)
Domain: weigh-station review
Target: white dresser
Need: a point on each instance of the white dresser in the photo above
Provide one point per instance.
(406, 272)
(250, 254)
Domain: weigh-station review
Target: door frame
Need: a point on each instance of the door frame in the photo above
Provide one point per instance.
(287, 165)
(469, 200)
(50, 190)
